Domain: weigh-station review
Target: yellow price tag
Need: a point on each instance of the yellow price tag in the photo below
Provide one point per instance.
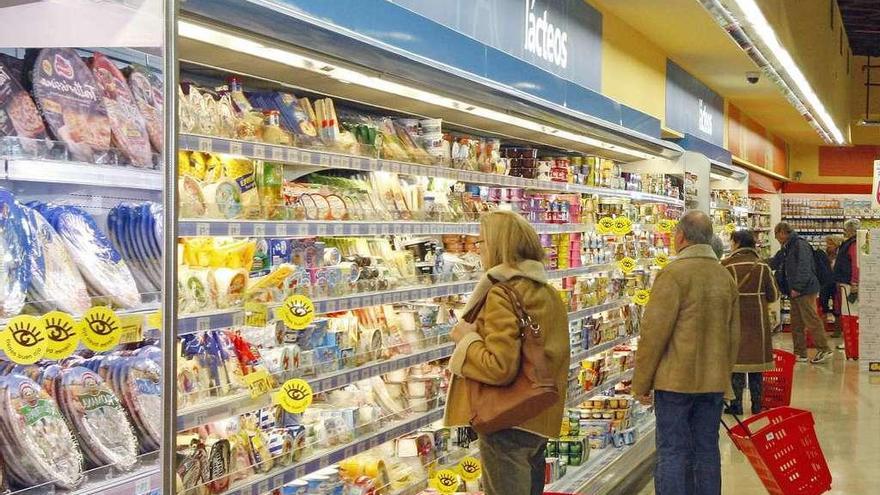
(258, 382)
(642, 296)
(295, 396)
(445, 481)
(24, 339)
(470, 468)
(605, 225)
(665, 226)
(101, 329)
(874, 367)
(154, 320)
(132, 328)
(661, 260)
(627, 264)
(622, 226)
(257, 314)
(297, 312)
(62, 334)
(730, 228)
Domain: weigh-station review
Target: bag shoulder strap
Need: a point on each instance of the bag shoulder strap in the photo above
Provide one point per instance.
(524, 320)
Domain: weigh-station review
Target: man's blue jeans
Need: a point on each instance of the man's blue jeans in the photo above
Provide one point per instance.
(688, 459)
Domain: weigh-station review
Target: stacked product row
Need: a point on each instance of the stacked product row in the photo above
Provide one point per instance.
(94, 111)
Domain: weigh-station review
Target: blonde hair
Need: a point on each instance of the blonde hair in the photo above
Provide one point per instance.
(835, 239)
(508, 239)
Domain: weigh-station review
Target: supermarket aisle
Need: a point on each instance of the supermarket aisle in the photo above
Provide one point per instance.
(846, 408)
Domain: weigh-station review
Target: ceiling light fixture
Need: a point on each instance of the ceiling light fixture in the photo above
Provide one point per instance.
(771, 56)
(249, 47)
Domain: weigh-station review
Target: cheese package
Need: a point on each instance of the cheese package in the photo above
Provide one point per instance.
(223, 199)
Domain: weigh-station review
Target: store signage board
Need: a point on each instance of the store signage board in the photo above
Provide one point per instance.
(868, 242)
(563, 37)
(85, 23)
(692, 107)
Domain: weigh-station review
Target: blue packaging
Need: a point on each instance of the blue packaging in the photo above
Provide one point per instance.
(279, 252)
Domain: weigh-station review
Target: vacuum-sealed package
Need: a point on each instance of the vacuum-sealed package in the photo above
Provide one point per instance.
(127, 125)
(105, 435)
(37, 442)
(15, 244)
(56, 282)
(66, 91)
(100, 263)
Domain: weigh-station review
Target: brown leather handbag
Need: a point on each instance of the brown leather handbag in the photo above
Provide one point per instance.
(495, 408)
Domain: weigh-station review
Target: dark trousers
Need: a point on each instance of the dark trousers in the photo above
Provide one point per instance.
(688, 459)
(756, 385)
(513, 462)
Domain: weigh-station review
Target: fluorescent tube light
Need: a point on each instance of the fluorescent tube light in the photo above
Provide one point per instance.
(783, 66)
(243, 45)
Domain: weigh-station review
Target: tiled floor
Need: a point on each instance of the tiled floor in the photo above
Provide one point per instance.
(846, 407)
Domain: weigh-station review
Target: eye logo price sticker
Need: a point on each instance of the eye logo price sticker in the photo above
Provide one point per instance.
(62, 334)
(24, 339)
(605, 225)
(661, 260)
(627, 264)
(297, 312)
(642, 296)
(101, 329)
(470, 468)
(295, 396)
(665, 226)
(730, 228)
(622, 226)
(445, 481)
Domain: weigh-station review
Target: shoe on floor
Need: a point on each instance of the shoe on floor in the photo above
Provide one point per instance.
(821, 357)
(841, 347)
(801, 359)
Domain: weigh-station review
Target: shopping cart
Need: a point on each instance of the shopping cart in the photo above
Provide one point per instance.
(784, 452)
(777, 382)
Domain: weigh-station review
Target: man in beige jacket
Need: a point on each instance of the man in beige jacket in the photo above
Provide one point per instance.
(688, 346)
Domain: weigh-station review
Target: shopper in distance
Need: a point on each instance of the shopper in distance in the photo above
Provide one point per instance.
(688, 346)
(846, 275)
(798, 269)
(828, 294)
(757, 289)
(511, 358)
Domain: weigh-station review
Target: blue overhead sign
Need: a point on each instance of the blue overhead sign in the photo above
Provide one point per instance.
(563, 37)
(692, 107)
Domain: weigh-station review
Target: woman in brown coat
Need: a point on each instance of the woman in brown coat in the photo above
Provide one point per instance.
(488, 351)
(757, 288)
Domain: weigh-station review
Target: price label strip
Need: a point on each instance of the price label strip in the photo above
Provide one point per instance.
(132, 328)
(259, 383)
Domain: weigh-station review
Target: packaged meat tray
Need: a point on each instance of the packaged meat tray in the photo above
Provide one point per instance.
(37, 442)
(105, 435)
(127, 125)
(71, 102)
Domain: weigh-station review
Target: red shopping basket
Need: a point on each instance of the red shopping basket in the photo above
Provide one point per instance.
(784, 452)
(777, 382)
